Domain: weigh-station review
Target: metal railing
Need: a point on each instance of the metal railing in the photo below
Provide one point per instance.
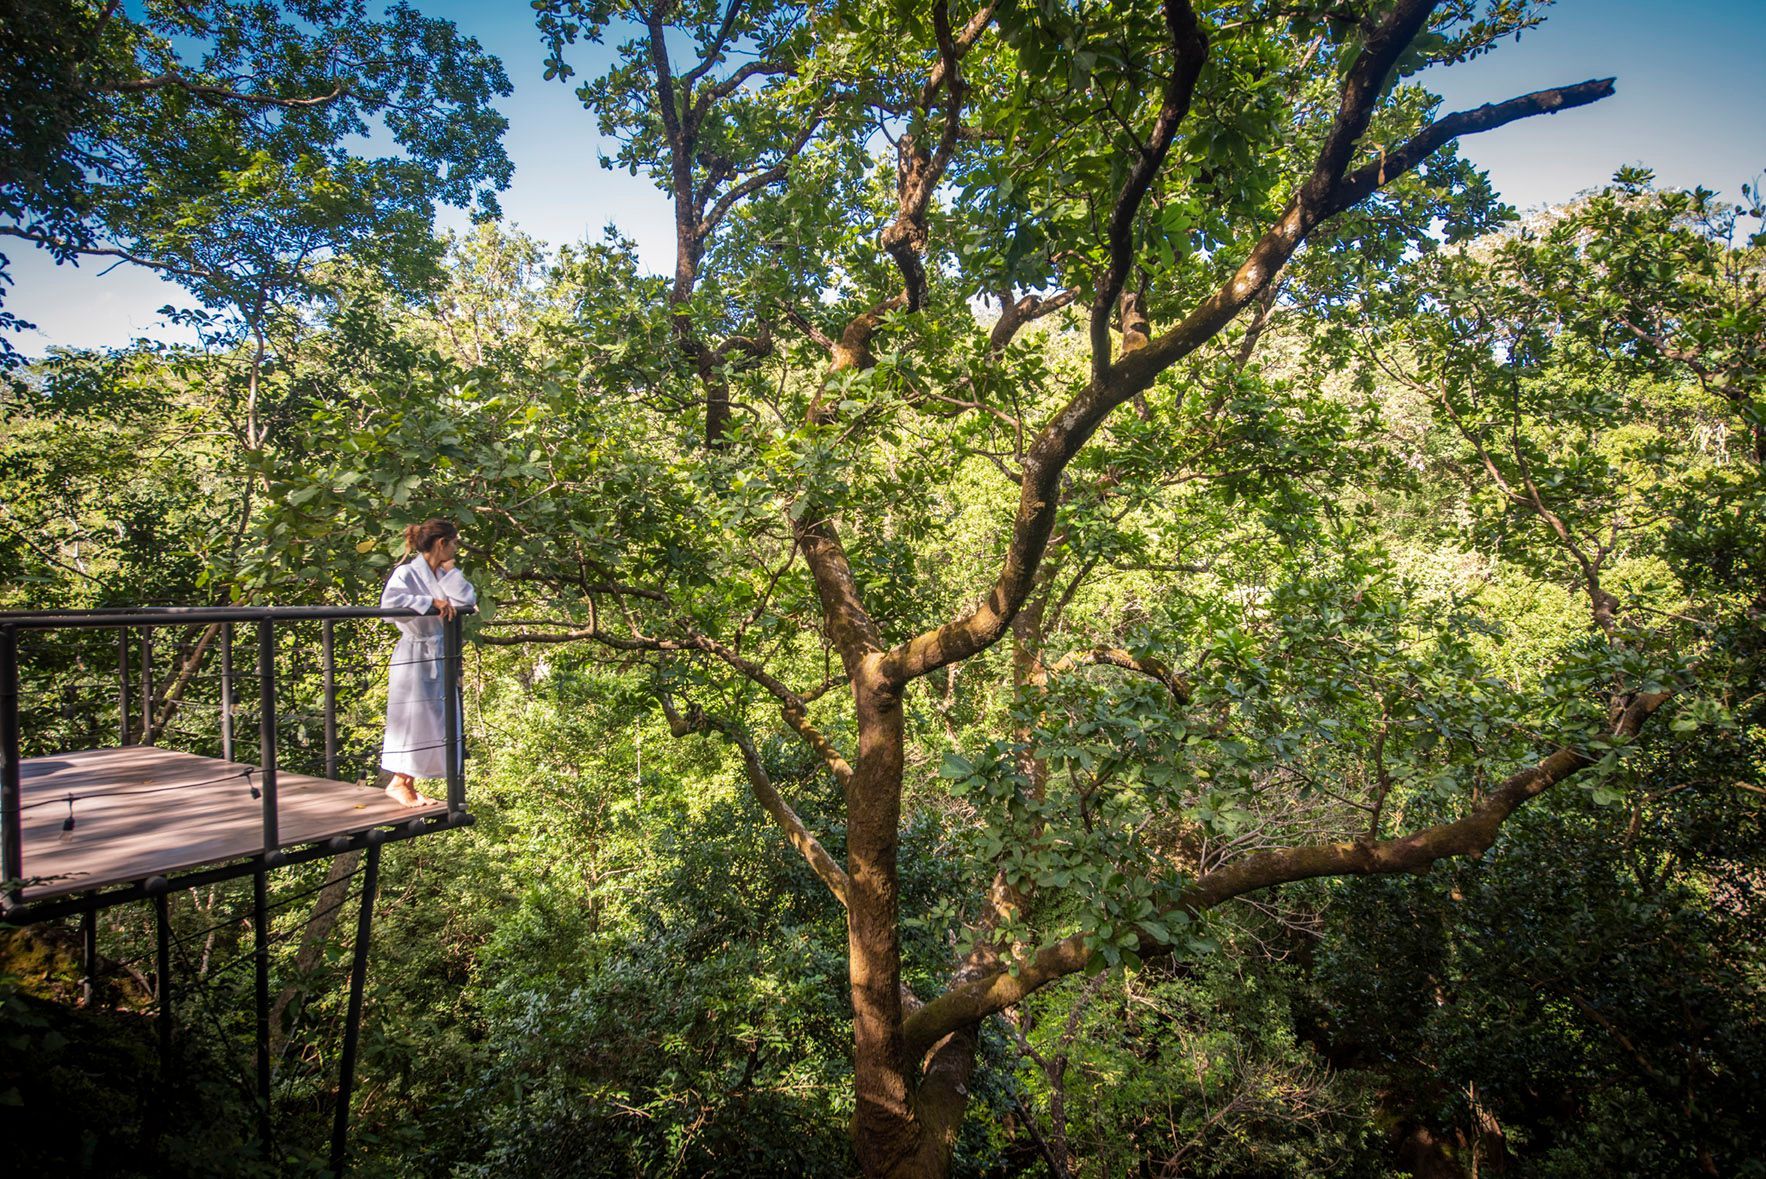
(266, 619)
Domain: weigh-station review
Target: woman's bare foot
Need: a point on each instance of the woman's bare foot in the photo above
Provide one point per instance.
(402, 791)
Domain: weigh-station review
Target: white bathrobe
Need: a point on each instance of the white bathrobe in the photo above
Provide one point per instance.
(415, 742)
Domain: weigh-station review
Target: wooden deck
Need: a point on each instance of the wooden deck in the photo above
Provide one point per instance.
(140, 811)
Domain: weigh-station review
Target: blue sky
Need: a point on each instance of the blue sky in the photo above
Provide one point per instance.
(1691, 94)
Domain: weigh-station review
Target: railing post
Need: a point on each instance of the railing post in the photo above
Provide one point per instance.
(123, 703)
(11, 841)
(451, 726)
(88, 956)
(267, 730)
(147, 737)
(328, 658)
(260, 925)
(226, 691)
(352, 1025)
(162, 982)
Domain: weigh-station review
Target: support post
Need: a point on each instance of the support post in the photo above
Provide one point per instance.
(328, 659)
(124, 705)
(451, 727)
(352, 1027)
(162, 982)
(147, 737)
(88, 956)
(11, 840)
(226, 691)
(267, 730)
(260, 927)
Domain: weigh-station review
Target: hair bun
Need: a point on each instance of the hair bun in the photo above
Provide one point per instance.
(420, 537)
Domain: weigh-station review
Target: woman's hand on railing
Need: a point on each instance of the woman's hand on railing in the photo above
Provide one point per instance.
(445, 608)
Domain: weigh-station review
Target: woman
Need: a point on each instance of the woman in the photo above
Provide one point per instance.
(415, 746)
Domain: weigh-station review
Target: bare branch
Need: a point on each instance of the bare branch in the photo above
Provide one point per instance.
(753, 184)
(177, 81)
(802, 324)
(960, 46)
(749, 350)
(61, 246)
(711, 55)
(820, 862)
(792, 706)
(918, 171)
(753, 69)
(1015, 314)
(1175, 682)
(1364, 181)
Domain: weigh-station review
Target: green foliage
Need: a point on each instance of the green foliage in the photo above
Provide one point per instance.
(222, 143)
(1447, 506)
(653, 990)
(1585, 988)
(1200, 1071)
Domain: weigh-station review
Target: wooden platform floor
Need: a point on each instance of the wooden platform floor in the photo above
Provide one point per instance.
(140, 811)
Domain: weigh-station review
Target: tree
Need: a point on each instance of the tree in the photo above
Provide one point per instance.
(217, 143)
(1116, 214)
(711, 137)
(1222, 678)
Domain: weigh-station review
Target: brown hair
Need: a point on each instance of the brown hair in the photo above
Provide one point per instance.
(419, 537)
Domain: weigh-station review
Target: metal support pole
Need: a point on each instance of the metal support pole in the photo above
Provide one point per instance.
(162, 983)
(451, 727)
(328, 657)
(267, 729)
(147, 737)
(227, 691)
(352, 1027)
(124, 705)
(88, 955)
(260, 927)
(11, 841)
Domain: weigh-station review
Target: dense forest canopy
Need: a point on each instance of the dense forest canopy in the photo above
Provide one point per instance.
(1116, 611)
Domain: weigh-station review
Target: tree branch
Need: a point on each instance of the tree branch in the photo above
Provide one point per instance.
(801, 323)
(1364, 181)
(759, 180)
(850, 627)
(1471, 835)
(65, 248)
(215, 93)
(753, 69)
(960, 46)
(1074, 425)
(1189, 45)
(792, 706)
(918, 171)
(715, 50)
(820, 862)
(1015, 314)
(1175, 682)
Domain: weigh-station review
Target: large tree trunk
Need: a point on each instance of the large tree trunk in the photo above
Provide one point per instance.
(885, 1130)
(905, 1126)
(943, 1099)
(908, 1118)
